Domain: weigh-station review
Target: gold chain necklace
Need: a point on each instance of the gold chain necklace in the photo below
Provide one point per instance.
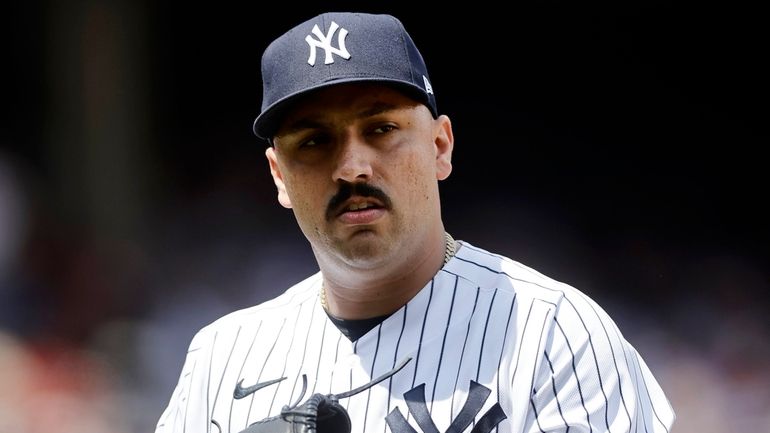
(449, 252)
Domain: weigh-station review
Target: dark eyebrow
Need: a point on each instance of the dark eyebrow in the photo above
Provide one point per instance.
(309, 123)
(299, 125)
(377, 108)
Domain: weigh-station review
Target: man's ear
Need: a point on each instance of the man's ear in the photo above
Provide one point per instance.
(275, 171)
(445, 142)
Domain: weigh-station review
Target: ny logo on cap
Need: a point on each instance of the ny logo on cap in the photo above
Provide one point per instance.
(325, 42)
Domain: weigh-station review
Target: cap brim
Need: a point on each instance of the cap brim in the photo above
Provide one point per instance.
(269, 120)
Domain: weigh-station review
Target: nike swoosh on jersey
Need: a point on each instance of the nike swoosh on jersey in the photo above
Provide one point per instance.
(241, 392)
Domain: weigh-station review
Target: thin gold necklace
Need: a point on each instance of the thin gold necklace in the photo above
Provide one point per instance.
(449, 252)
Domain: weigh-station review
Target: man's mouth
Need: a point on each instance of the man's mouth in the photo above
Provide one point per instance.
(357, 198)
(359, 211)
(359, 206)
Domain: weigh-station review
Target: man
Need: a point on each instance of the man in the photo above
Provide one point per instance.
(466, 340)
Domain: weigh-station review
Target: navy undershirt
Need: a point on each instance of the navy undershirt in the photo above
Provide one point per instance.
(355, 329)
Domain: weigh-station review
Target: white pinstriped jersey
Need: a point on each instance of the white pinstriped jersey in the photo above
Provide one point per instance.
(495, 346)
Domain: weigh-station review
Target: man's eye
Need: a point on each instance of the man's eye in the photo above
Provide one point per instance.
(308, 143)
(313, 141)
(383, 129)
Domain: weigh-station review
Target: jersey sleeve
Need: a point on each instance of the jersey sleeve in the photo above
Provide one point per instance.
(591, 379)
(187, 409)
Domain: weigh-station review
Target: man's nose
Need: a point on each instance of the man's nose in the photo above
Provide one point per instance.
(354, 161)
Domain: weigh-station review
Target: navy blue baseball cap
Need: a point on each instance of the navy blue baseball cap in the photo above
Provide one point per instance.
(335, 48)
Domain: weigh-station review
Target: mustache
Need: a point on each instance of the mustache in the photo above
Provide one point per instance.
(348, 190)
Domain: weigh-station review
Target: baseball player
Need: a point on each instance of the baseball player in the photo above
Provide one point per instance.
(403, 329)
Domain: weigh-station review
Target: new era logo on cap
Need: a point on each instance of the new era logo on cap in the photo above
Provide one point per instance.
(336, 48)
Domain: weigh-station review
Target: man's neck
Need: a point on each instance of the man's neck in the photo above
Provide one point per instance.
(364, 293)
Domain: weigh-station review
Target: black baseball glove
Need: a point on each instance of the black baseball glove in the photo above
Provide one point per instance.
(318, 414)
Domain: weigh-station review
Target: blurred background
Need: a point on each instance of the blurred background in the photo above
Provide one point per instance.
(615, 147)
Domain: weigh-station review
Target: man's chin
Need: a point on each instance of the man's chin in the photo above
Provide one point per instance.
(364, 249)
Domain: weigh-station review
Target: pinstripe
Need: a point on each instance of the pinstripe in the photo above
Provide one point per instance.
(462, 353)
(395, 358)
(596, 363)
(187, 406)
(574, 370)
(521, 345)
(508, 261)
(630, 368)
(320, 352)
(443, 344)
(371, 374)
(222, 378)
(270, 352)
(639, 397)
(350, 371)
(336, 357)
(511, 277)
(286, 359)
(615, 363)
(304, 352)
(534, 372)
(422, 334)
(240, 372)
(483, 340)
(502, 349)
(636, 380)
(535, 365)
(649, 397)
(208, 380)
(555, 392)
(537, 417)
(539, 346)
(350, 386)
(277, 304)
(484, 252)
(502, 346)
(484, 337)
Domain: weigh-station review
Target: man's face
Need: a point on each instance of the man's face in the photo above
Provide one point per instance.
(359, 165)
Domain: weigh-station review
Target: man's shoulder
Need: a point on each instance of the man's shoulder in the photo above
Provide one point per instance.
(267, 311)
(489, 270)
